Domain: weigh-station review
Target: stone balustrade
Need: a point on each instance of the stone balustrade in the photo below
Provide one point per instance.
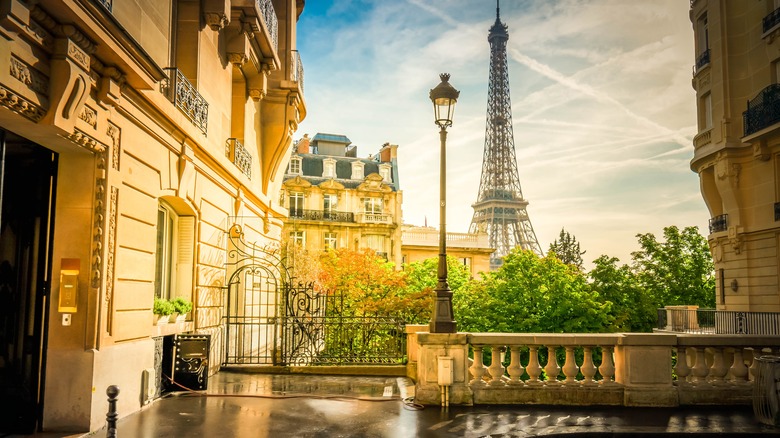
(620, 369)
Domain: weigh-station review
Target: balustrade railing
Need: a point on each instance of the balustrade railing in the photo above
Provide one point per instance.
(184, 96)
(296, 68)
(266, 8)
(771, 20)
(702, 60)
(372, 218)
(719, 223)
(763, 110)
(239, 156)
(689, 319)
(620, 369)
(322, 215)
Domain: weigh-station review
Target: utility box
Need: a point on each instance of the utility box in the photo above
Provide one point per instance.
(446, 374)
(189, 362)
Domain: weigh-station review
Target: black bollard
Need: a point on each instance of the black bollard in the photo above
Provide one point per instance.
(111, 416)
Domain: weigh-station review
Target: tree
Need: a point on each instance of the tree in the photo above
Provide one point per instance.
(633, 308)
(422, 277)
(677, 271)
(567, 249)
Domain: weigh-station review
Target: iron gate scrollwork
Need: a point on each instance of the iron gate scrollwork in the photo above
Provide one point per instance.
(271, 319)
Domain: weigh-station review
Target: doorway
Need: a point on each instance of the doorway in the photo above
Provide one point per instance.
(27, 183)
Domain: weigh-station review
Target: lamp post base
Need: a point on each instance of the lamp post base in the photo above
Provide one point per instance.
(442, 321)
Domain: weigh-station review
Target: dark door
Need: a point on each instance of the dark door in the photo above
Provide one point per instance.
(27, 181)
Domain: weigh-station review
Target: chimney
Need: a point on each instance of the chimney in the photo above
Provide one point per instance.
(388, 152)
(302, 147)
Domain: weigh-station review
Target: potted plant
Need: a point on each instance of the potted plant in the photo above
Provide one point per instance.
(182, 307)
(162, 309)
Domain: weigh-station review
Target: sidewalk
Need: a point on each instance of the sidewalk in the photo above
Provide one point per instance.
(258, 405)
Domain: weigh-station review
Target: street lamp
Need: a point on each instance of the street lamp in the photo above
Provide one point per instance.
(443, 97)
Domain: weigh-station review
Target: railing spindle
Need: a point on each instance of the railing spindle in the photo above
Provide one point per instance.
(533, 369)
(477, 368)
(588, 369)
(570, 368)
(552, 369)
(515, 369)
(496, 368)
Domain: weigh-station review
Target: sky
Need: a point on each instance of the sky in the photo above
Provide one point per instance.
(603, 110)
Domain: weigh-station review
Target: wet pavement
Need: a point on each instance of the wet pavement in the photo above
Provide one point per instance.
(258, 405)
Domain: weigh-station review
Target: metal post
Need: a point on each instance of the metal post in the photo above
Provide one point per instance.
(442, 320)
(111, 416)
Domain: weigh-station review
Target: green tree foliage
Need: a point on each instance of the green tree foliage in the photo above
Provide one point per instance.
(530, 294)
(678, 270)
(633, 308)
(567, 249)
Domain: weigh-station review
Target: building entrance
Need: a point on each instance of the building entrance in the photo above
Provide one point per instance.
(27, 181)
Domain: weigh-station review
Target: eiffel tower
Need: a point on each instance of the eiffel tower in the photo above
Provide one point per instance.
(500, 209)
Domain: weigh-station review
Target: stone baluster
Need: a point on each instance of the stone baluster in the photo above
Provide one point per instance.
(754, 365)
(607, 367)
(739, 371)
(515, 369)
(681, 367)
(496, 368)
(718, 369)
(552, 369)
(533, 369)
(477, 368)
(700, 369)
(588, 369)
(570, 368)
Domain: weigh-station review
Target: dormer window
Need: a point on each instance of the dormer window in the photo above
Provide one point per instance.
(384, 172)
(357, 170)
(329, 168)
(295, 166)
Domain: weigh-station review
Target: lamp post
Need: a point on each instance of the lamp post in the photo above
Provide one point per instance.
(443, 97)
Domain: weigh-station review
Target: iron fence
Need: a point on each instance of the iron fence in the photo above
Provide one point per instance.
(763, 110)
(684, 319)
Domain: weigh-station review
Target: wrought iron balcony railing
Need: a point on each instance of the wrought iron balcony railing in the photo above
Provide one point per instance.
(702, 60)
(772, 20)
(321, 215)
(239, 156)
(296, 68)
(777, 211)
(689, 319)
(106, 4)
(719, 223)
(763, 110)
(185, 97)
(266, 8)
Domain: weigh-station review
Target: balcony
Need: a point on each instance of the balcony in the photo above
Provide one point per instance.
(239, 156)
(296, 68)
(719, 223)
(105, 3)
(260, 17)
(430, 237)
(771, 20)
(184, 96)
(763, 111)
(702, 60)
(689, 319)
(321, 215)
(373, 218)
(777, 211)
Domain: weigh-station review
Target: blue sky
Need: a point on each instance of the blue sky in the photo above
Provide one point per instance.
(602, 105)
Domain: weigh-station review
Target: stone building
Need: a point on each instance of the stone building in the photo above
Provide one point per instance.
(471, 249)
(737, 149)
(133, 134)
(336, 199)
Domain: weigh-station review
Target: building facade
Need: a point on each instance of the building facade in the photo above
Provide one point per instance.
(337, 200)
(471, 249)
(134, 134)
(737, 149)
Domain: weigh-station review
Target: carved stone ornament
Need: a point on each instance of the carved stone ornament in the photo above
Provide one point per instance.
(34, 79)
(237, 59)
(85, 140)
(20, 105)
(115, 133)
(89, 116)
(216, 21)
(717, 251)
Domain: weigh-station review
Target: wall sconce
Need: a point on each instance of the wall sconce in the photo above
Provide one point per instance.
(734, 285)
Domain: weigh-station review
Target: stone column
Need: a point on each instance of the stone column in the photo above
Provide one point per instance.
(413, 348)
(431, 346)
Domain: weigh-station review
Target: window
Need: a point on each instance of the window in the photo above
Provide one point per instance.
(330, 240)
(296, 204)
(372, 205)
(174, 253)
(357, 169)
(298, 237)
(375, 242)
(707, 111)
(329, 168)
(384, 172)
(466, 261)
(295, 166)
(329, 205)
(703, 34)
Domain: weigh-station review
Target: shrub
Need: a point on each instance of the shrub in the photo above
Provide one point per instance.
(162, 307)
(181, 305)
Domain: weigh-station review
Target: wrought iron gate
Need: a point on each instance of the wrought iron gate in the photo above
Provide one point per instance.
(272, 320)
